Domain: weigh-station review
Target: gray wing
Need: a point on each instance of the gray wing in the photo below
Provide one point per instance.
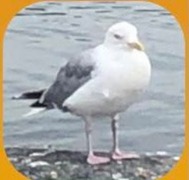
(70, 77)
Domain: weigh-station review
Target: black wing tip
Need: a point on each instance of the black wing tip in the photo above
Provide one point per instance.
(65, 109)
(29, 95)
(37, 104)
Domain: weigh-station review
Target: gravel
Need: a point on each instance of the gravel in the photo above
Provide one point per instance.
(40, 164)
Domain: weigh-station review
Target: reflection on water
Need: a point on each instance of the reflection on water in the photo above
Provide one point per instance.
(40, 39)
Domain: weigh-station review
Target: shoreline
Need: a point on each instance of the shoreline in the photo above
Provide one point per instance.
(47, 164)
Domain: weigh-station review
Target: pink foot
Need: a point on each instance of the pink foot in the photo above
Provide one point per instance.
(94, 160)
(117, 155)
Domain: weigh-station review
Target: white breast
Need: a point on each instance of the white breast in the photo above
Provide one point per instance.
(124, 70)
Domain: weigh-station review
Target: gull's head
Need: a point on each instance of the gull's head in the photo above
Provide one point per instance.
(123, 35)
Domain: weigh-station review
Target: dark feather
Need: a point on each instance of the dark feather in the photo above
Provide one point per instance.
(70, 77)
(30, 95)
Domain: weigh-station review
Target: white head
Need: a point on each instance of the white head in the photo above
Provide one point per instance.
(123, 35)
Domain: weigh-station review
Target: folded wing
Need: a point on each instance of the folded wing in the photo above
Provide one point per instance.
(70, 77)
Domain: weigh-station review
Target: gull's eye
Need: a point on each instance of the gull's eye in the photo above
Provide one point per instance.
(117, 36)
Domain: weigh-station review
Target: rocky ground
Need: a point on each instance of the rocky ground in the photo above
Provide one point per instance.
(43, 164)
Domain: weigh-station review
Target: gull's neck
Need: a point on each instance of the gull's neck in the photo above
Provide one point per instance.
(116, 47)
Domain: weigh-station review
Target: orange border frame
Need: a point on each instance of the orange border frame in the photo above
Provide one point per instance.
(179, 8)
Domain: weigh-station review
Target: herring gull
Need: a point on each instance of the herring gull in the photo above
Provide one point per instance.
(100, 82)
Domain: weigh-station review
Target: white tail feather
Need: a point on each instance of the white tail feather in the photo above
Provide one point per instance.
(17, 96)
(34, 111)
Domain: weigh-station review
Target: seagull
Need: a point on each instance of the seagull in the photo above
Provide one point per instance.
(100, 82)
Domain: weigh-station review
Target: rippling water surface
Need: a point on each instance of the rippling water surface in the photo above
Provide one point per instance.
(40, 39)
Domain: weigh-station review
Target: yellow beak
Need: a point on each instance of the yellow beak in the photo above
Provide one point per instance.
(136, 45)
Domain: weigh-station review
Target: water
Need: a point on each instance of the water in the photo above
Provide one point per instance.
(40, 39)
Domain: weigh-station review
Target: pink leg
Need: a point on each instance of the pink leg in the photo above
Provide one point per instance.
(116, 153)
(92, 159)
